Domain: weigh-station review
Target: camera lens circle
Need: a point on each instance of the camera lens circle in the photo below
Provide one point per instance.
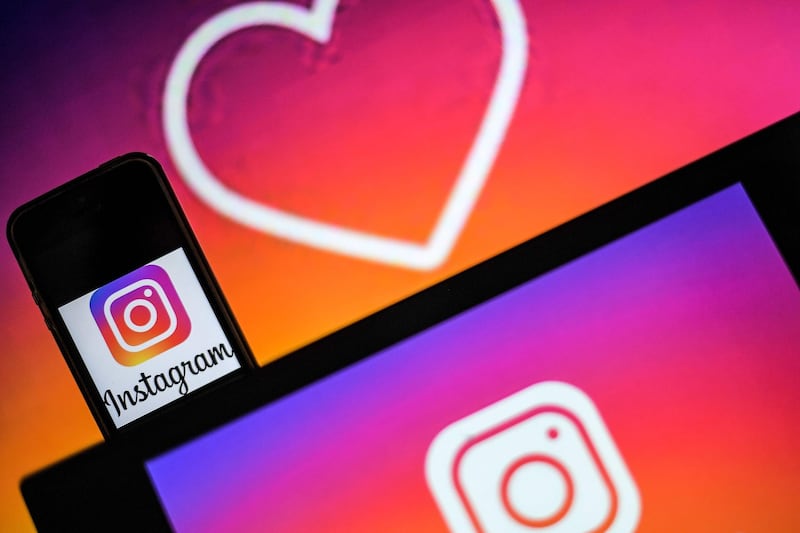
(131, 307)
(537, 490)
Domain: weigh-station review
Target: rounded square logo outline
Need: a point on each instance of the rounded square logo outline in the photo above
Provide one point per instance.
(179, 324)
(452, 443)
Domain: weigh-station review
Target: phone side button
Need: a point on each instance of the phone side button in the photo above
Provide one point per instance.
(35, 297)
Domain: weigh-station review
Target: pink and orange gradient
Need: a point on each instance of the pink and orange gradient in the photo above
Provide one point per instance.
(367, 132)
(140, 315)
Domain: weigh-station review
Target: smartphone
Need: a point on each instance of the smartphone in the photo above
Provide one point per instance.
(126, 291)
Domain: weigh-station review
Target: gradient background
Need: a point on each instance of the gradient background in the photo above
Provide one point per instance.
(685, 335)
(366, 132)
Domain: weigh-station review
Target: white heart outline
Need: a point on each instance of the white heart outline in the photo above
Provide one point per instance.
(316, 23)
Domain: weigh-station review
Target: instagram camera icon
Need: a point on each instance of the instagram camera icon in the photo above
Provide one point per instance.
(140, 315)
(540, 460)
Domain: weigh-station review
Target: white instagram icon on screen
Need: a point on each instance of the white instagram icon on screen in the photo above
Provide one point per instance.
(539, 460)
(154, 301)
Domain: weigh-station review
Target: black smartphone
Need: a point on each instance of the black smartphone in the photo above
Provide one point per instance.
(126, 291)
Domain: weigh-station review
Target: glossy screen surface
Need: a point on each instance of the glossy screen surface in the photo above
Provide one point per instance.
(684, 335)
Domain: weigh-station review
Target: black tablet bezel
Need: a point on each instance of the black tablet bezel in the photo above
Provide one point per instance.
(766, 163)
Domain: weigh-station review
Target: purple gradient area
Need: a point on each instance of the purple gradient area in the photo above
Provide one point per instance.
(699, 304)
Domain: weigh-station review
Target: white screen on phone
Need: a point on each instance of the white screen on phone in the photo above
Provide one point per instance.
(149, 337)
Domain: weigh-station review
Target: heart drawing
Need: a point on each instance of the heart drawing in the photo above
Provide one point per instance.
(316, 23)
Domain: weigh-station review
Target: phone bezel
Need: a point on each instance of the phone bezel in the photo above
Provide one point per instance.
(93, 207)
(766, 163)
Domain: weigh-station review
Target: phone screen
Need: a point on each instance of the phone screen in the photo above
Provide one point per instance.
(149, 337)
(124, 287)
(649, 383)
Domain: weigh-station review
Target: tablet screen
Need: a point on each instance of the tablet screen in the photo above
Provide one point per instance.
(648, 384)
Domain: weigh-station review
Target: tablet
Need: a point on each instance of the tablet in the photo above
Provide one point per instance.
(635, 369)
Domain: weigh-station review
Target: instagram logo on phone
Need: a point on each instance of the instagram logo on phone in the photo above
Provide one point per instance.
(540, 460)
(140, 315)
